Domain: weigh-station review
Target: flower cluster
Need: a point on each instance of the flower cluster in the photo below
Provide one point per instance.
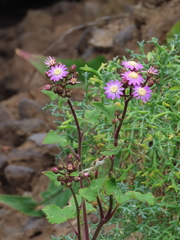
(64, 171)
(131, 77)
(60, 76)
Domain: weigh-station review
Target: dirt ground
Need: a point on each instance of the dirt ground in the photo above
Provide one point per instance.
(70, 30)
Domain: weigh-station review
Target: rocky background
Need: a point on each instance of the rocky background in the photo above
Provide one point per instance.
(67, 29)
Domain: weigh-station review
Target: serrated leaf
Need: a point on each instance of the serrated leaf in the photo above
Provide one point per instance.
(57, 215)
(92, 116)
(53, 137)
(25, 205)
(53, 96)
(91, 192)
(110, 185)
(146, 197)
(120, 197)
(53, 177)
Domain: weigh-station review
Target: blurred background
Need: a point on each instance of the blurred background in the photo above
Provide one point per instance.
(68, 30)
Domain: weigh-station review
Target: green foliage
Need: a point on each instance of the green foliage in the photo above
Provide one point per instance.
(59, 215)
(55, 195)
(53, 137)
(25, 205)
(142, 190)
(37, 61)
(174, 33)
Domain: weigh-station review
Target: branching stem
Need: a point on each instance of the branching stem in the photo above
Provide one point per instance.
(78, 214)
(78, 156)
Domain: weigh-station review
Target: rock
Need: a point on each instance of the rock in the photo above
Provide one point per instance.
(102, 38)
(38, 138)
(3, 162)
(19, 176)
(34, 225)
(5, 114)
(125, 35)
(29, 109)
(30, 22)
(14, 133)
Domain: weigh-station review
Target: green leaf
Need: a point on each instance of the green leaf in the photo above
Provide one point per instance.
(53, 137)
(92, 191)
(56, 195)
(59, 215)
(111, 152)
(53, 96)
(110, 185)
(37, 61)
(92, 116)
(107, 110)
(150, 56)
(146, 197)
(175, 89)
(25, 205)
(53, 177)
(120, 197)
(60, 102)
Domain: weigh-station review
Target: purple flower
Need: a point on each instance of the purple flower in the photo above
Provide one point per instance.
(114, 89)
(46, 87)
(143, 93)
(153, 71)
(50, 61)
(132, 65)
(133, 78)
(57, 72)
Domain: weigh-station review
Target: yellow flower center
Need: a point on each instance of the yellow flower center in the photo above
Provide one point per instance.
(142, 91)
(132, 63)
(57, 71)
(133, 75)
(114, 89)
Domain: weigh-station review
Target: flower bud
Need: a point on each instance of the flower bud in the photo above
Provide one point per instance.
(72, 69)
(114, 121)
(55, 170)
(61, 166)
(60, 178)
(46, 87)
(69, 184)
(150, 82)
(58, 89)
(117, 113)
(77, 179)
(76, 74)
(73, 81)
(70, 167)
(70, 156)
(68, 94)
(86, 174)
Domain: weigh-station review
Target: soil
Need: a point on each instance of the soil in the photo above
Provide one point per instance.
(69, 30)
